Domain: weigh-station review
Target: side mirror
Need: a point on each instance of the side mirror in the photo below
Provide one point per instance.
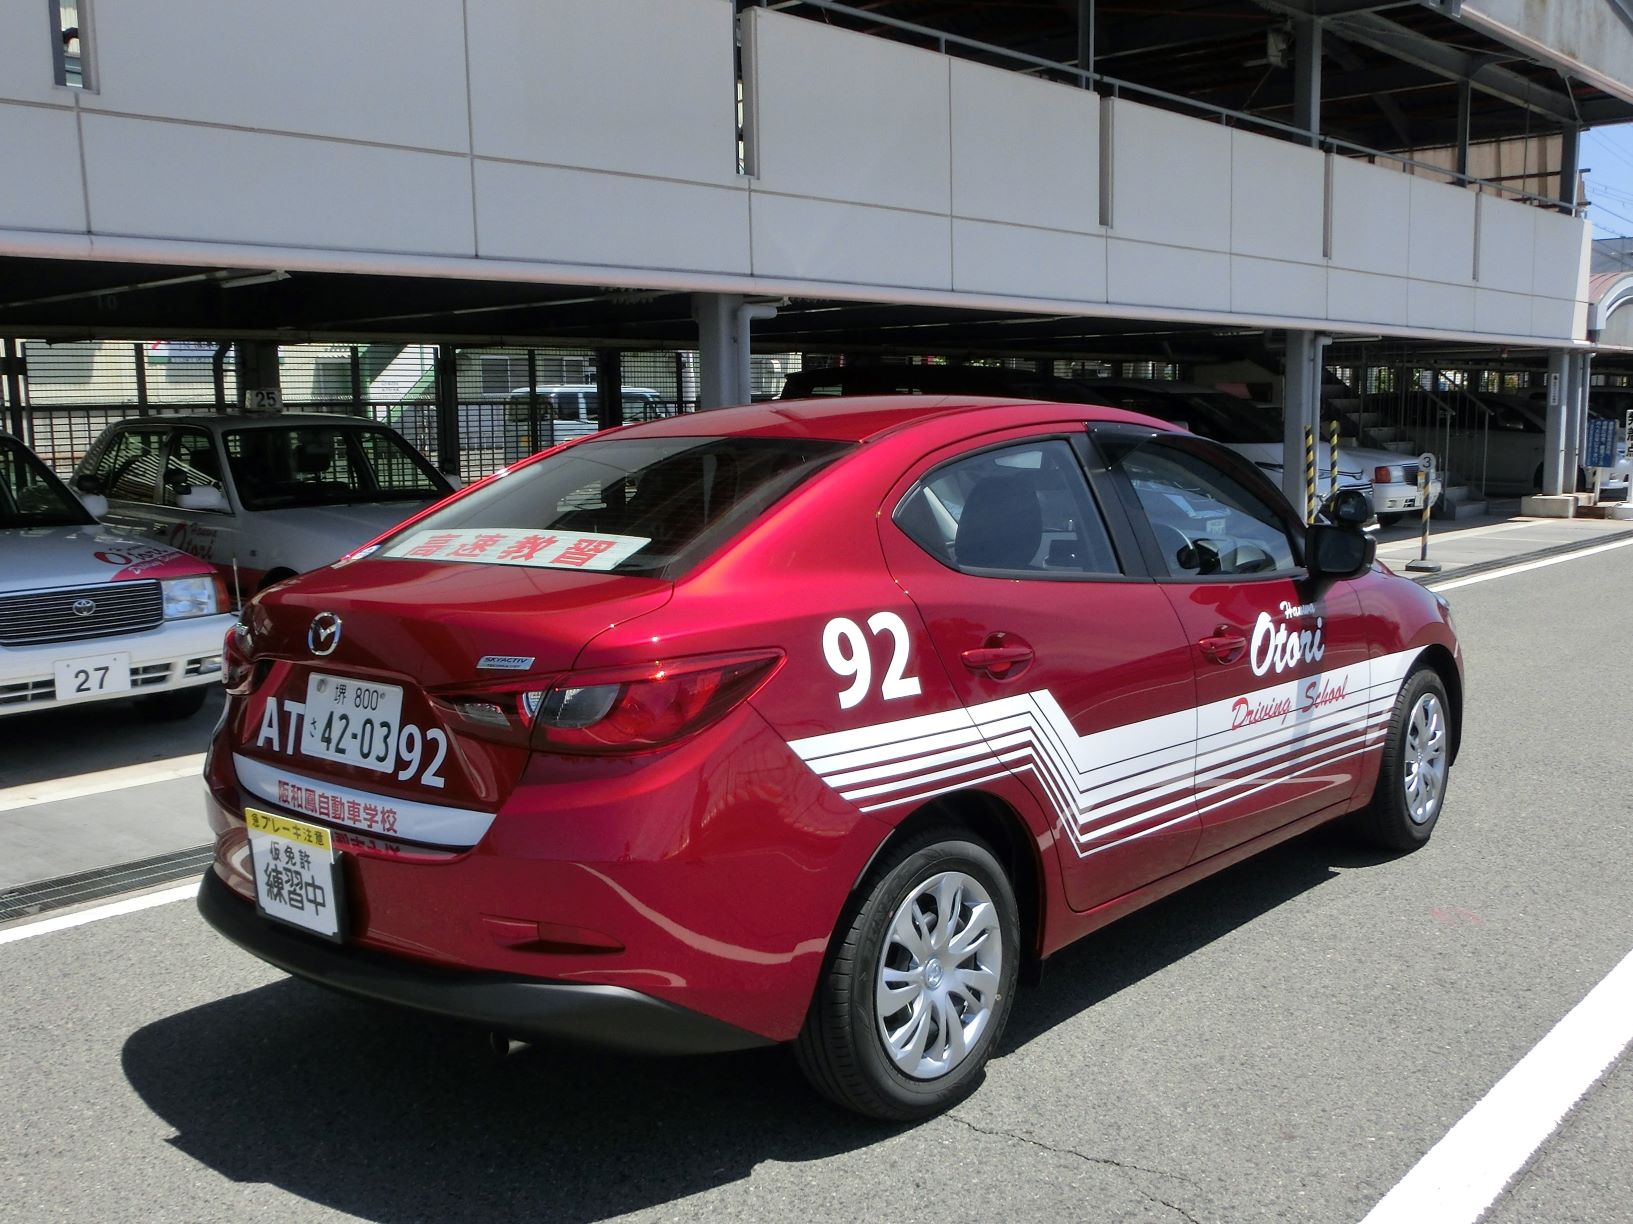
(1349, 508)
(89, 482)
(204, 497)
(95, 504)
(1338, 552)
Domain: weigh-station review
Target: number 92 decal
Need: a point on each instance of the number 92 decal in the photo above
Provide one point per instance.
(849, 654)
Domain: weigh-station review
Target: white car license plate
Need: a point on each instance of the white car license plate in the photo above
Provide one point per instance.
(294, 867)
(92, 676)
(354, 722)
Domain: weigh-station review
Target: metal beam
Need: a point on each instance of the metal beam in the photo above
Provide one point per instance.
(1454, 64)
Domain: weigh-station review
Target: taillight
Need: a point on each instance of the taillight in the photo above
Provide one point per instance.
(611, 710)
(237, 671)
(636, 709)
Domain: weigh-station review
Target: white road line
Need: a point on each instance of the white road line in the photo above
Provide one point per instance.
(1461, 1175)
(1451, 584)
(28, 794)
(115, 909)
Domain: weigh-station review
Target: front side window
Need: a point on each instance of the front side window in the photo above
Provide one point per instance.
(192, 465)
(1206, 522)
(1017, 509)
(663, 502)
(128, 467)
(30, 496)
(278, 467)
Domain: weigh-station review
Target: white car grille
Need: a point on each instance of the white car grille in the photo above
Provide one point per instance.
(72, 614)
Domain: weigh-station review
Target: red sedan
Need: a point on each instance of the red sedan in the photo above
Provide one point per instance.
(809, 722)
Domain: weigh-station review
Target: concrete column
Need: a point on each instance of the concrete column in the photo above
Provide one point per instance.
(257, 363)
(1576, 429)
(447, 368)
(717, 343)
(1301, 400)
(13, 366)
(1569, 160)
(1556, 425)
(609, 387)
(1465, 92)
(1307, 76)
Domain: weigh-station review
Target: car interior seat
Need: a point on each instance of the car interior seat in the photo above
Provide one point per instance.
(1001, 526)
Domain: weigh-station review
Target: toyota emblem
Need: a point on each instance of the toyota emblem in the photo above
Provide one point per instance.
(324, 635)
(82, 607)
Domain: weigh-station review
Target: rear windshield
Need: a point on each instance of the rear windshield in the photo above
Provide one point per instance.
(30, 496)
(652, 506)
(327, 465)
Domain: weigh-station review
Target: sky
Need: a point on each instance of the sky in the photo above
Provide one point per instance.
(1607, 160)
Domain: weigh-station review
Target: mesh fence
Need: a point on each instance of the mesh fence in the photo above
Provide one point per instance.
(511, 401)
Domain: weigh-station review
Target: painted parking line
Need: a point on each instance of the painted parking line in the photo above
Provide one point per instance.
(1462, 1174)
(1451, 584)
(29, 794)
(114, 909)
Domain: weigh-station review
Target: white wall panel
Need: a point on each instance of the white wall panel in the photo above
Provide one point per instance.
(1441, 307)
(1371, 218)
(1171, 178)
(1146, 274)
(1278, 193)
(1563, 251)
(225, 186)
(391, 71)
(1442, 228)
(39, 170)
(644, 86)
(25, 53)
(850, 243)
(1276, 287)
(843, 116)
(1507, 236)
(1557, 317)
(1365, 297)
(1024, 150)
(1502, 313)
(582, 216)
(1007, 259)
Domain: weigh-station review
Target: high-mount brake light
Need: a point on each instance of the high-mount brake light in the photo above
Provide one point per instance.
(642, 708)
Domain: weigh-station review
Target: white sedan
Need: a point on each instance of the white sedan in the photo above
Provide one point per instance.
(88, 614)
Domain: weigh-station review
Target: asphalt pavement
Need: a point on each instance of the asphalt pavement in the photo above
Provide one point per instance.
(1284, 1041)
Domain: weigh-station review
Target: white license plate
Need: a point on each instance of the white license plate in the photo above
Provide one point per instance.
(294, 867)
(354, 722)
(92, 676)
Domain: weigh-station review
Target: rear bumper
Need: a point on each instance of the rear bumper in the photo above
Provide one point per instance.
(608, 1016)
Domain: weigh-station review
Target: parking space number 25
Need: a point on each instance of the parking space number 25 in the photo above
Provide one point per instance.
(849, 654)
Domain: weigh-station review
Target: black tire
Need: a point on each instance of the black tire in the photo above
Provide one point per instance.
(842, 1048)
(175, 703)
(1416, 767)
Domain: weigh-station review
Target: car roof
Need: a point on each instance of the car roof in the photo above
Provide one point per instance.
(859, 418)
(244, 420)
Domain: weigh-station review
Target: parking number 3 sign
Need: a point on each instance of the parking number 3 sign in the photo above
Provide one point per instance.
(849, 653)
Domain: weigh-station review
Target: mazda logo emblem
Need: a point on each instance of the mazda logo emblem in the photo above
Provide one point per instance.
(324, 635)
(82, 607)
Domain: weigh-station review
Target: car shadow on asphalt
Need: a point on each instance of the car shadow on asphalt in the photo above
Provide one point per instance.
(63, 743)
(390, 1116)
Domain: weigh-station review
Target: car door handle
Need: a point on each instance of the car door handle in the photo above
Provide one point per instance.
(1224, 645)
(1002, 657)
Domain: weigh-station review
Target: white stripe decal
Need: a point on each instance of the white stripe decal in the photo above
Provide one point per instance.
(1113, 786)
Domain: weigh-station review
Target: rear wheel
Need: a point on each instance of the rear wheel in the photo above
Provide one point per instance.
(1417, 758)
(916, 991)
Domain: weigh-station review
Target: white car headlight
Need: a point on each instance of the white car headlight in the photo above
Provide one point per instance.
(189, 597)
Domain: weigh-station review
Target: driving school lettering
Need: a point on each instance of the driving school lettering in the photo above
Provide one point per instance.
(1318, 693)
(518, 546)
(1277, 646)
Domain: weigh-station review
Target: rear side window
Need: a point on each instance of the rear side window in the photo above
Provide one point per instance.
(1015, 509)
(667, 502)
(277, 467)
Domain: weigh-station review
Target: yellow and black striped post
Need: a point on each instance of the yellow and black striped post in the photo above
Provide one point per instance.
(1426, 468)
(1309, 475)
(1332, 447)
